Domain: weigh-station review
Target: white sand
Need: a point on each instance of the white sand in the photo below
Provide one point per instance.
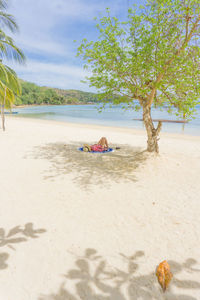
(130, 210)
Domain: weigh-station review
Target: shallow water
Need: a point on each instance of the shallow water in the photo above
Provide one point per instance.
(115, 116)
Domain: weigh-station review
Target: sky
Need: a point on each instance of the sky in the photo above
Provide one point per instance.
(48, 29)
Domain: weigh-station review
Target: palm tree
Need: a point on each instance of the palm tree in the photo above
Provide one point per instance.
(9, 83)
(9, 88)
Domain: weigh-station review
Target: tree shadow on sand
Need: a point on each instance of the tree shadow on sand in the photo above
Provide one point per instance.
(91, 168)
(14, 236)
(94, 279)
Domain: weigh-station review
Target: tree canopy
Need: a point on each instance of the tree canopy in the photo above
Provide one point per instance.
(152, 57)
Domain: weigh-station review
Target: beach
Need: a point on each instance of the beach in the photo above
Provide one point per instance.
(95, 226)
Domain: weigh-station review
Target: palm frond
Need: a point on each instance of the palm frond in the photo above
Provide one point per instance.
(3, 4)
(9, 78)
(7, 96)
(7, 20)
(9, 50)
(9, 83)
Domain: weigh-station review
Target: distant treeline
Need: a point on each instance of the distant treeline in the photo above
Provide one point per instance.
(34, 94)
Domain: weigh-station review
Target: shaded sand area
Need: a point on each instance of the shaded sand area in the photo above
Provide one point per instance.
(94, 227)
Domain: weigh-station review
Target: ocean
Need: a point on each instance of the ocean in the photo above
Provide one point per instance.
(110, 116)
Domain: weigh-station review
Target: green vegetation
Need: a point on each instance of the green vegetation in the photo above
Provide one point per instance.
(33, 94)
(9, 84)
(153, 57)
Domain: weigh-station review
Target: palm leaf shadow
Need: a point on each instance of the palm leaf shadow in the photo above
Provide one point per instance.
(16, 235)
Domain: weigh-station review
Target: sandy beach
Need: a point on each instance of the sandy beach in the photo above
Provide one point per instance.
(95, 226)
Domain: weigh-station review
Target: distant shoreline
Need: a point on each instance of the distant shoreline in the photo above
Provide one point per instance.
(45, 104)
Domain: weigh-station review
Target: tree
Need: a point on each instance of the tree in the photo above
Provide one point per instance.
(72, 100)
(9, 84)
(153, 57)
(9, 87)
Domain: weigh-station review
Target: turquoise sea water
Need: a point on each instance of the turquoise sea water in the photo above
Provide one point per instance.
(115, 116)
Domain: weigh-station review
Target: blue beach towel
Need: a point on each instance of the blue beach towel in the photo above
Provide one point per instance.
(106, 151)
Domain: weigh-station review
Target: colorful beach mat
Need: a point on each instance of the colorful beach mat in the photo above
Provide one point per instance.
(106, 151)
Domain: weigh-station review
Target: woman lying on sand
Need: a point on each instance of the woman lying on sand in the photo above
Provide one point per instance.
(101, 146)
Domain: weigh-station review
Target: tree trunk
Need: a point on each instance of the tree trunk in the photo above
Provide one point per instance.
(2, 112)
(152, 132)
(2, 117)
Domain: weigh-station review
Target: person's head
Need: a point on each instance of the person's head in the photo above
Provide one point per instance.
(86, 148)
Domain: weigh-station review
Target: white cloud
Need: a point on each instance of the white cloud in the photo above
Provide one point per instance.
(38, 21)
(64, 69)
(49, 10)
(54, 75)
(46, 36)
(40, 45)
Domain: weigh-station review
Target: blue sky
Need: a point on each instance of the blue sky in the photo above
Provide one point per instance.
(48, 29)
